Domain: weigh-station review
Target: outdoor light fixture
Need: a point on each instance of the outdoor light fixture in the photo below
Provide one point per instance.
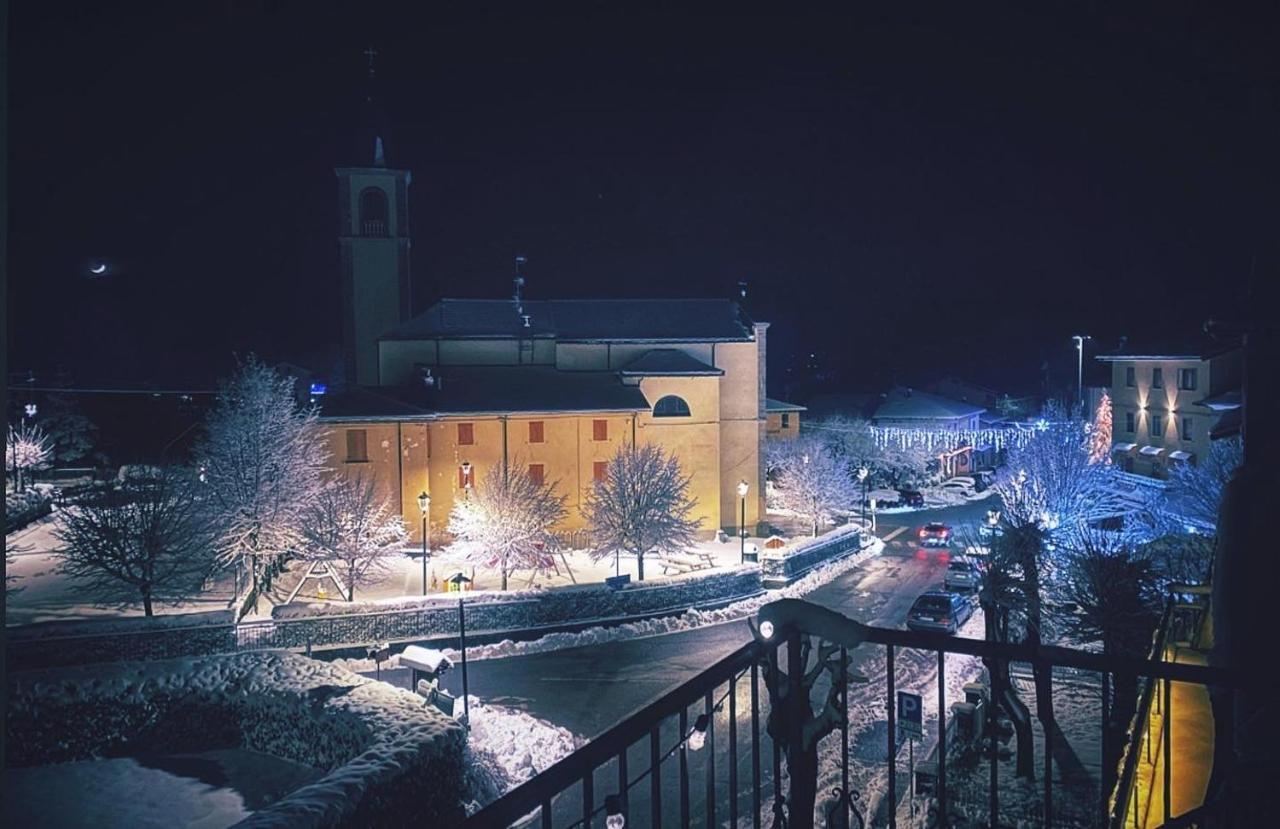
(424, 504)
(614, 819)
(766, 629)
(863, 474)
(698, 737)
(30, 409)
(466, 477)
(743, 488)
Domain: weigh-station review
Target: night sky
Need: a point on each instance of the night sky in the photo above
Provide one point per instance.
(908, 193)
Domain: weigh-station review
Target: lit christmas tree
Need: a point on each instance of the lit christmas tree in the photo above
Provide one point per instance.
(1100, 434)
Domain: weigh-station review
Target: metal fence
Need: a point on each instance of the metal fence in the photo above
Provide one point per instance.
(741, 740)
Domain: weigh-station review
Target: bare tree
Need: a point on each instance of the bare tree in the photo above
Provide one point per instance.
(854, 443)
(147, 541)
(349, 527)
(812, 482)
(26, 448)
(262, 460)
(642, 506)
(1115, 592)
(508, 521)
(1196, 491)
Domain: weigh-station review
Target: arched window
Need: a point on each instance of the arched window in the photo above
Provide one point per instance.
(373, 212)
(671, 406)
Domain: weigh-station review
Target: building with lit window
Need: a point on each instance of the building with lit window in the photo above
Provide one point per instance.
(1169, 403)
(782, 419)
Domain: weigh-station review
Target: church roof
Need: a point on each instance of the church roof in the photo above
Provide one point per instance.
(598, 320)
(489, 390)
(668, 362)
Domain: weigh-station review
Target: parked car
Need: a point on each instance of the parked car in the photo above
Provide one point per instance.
(962, 574)
(911, 497)
(939, 611)
(959, 482)
(935, 534)
(983, 480)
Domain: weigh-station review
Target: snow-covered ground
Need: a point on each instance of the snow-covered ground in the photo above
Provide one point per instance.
(506, 747)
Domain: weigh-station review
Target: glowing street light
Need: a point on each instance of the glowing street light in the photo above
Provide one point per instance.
(424, 504)
(743, 488)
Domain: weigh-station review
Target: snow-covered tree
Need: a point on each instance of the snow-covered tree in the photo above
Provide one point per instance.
(70, 431)
(641, 507)
(147, 541)
(262, 461)
(1196, 491)
(1100, 432)
(508, 520)
(812, 482)
(26, 449)
(889, 463)
(353, 530)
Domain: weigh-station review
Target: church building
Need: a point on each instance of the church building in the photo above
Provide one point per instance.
(556, 386)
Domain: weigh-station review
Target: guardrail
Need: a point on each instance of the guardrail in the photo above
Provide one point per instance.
(800, 648)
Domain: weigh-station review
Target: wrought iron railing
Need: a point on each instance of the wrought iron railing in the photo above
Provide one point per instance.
(762, 750)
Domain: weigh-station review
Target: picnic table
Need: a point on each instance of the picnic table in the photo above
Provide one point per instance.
(684, 563)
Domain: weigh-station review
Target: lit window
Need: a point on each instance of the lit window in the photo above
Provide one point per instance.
(466, 434)
(672, 406)
(599, 430)
(537, 473)
(535, 431)
(357, 446)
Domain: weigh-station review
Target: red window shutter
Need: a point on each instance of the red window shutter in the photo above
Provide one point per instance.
(537, 472)
(535, 431)
(599, 470)
(466, 434)
(599, 430)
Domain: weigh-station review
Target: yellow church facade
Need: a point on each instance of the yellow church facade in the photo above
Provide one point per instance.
(557, 387)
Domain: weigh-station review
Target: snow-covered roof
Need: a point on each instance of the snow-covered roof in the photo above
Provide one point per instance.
(1151, 451)
(904, 403)
(1179, 455)
(1124, 447)
(771, 405)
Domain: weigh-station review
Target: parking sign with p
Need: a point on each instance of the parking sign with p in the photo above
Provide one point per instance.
(910, 714)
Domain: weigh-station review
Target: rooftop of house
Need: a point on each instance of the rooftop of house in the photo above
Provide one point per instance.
(1192, 347)
(771, 405)
(913, 404)
(590, 320)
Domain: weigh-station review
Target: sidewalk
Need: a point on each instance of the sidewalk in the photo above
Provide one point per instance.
(1191, 747)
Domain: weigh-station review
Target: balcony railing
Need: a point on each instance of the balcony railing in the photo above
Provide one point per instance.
(743, 742)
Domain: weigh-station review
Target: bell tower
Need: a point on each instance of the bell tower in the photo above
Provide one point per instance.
(373, 243)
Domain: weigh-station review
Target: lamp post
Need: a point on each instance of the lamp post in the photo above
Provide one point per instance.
(1080, 338)
(458, 581)
(743, 488)
(424, 504)
(466, 478)
(863, 474)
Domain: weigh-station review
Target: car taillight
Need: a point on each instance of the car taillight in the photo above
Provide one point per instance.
(923, 532)
(946, 620)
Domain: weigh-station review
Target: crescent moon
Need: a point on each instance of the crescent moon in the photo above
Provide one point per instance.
(98, 269)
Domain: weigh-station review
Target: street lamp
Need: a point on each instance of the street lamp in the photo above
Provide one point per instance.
(459, 581)
(424, 504)
(743, 488)
(863, 474)
(466, 477)
(1080, 338)
(30, 409)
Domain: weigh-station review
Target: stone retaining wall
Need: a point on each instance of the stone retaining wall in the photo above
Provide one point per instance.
(780, 570)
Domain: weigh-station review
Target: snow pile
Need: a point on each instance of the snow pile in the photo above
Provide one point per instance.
(380, 746)
(506, 747)
(688, 620)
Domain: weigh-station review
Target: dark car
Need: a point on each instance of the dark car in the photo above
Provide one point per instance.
(935, 534)
(939, 611)
(911, 498)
